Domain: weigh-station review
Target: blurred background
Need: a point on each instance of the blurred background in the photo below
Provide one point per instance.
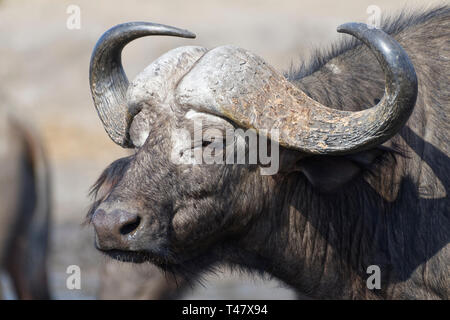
(44, 61)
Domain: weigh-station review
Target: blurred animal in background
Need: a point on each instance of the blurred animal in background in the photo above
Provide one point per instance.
(120, 281)
(24, 208)
(357, 186)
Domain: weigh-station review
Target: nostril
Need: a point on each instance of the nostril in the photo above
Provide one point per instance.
(130, 226)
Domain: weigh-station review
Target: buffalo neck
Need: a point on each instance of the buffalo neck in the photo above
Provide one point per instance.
(321, 244)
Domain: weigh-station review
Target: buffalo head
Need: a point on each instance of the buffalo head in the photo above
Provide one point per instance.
(152, 206)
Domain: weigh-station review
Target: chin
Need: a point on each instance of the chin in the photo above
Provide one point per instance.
(185, 269)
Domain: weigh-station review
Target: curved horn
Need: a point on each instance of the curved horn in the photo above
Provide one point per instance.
(242, 87)
(108, 81)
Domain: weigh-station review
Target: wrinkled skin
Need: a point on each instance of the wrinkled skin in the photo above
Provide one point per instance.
(24, 210)
(322, 220)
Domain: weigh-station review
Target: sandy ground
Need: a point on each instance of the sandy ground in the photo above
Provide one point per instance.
(44, 79)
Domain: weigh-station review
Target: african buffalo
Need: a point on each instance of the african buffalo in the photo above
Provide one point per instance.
(357, 186)
(25, 208)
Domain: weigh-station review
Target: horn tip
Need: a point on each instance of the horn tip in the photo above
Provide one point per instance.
(353, 27)
(350, 26)
(189, 34)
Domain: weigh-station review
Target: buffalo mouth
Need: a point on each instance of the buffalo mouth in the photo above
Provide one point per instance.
(165, 263)
(159, 259)
(127, 256)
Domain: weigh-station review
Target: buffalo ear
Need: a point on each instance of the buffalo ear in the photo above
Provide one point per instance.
(329, 173)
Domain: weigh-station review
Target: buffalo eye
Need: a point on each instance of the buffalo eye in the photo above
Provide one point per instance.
(206, 143)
